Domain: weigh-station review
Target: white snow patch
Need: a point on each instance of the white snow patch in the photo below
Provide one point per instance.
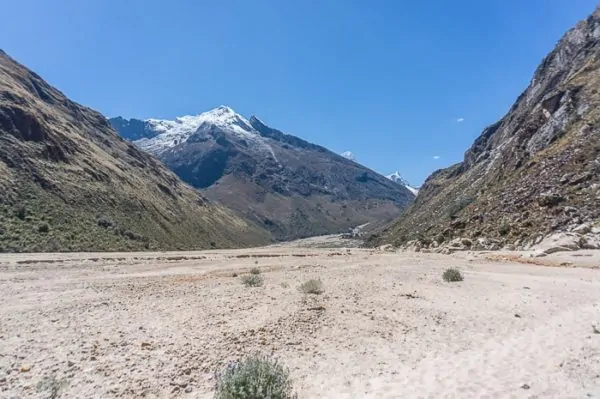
(349, 155)
(397, 178)
(174, 132)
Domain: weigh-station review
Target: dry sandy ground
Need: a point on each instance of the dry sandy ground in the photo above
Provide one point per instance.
(387, 326)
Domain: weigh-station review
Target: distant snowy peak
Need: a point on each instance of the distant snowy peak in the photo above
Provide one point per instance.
(349, 155)
(169, 133)
(397, 178)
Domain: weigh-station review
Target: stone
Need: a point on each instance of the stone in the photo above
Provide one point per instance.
(26, 368)
(592, 241)
(570, 210)
(582, 229)
(560, 242)
(146, 345)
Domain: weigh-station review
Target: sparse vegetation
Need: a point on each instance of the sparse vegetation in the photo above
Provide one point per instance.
(51, 386)
(252, 280)
(458, 206)
(312, 286)
(255, 270)
(452, 275)
(504, 229)
(20, 212)
(254, 378)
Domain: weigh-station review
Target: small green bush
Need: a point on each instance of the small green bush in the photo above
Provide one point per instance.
(20, 212)
(252, 280)
(458, 206)
(255, 270)
(44, 228)
(451, 275)
(312, 286)
(254, 378)
(504, 229)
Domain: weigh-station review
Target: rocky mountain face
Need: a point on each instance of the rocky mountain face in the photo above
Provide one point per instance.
(68, 182)
(532, 174)
(289, 186)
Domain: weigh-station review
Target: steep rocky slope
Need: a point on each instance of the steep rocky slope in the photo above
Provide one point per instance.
(533, 173)
(69, 182)
(291, 187)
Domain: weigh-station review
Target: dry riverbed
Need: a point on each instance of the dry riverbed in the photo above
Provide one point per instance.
(161, 324)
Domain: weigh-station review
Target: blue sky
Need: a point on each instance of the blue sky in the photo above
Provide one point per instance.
(386, 79)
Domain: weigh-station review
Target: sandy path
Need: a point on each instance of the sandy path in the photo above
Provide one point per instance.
(160, 324)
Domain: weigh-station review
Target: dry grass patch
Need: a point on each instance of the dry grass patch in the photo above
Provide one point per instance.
(253, 280)
(312, 286)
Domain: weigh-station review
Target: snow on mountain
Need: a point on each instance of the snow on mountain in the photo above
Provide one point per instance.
(170, 133)
(397, 178)
(349, 155)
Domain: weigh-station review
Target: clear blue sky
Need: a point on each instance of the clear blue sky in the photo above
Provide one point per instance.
(387, 80)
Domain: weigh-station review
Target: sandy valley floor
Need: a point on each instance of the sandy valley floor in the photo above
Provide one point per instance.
(160, 324)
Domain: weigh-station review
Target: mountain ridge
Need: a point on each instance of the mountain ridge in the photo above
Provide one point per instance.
(69, 182)
(533, 173)
(283, 183)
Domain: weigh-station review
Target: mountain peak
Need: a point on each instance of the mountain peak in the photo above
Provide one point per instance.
(397, 178)
(222, 110)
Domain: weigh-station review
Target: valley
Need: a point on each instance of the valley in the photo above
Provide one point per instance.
(161, 324)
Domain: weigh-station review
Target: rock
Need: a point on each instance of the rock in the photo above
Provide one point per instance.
(570, 210)
(26, 368)
(146, 345)
(550, 199)
(592, 241)
(582, 229)
(525, 386)
(560, 242)
(565, 178)
(467, 242)
(386, 248)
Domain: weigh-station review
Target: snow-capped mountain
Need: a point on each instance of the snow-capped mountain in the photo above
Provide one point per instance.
(397, 177)
(287, 185)
(349, 155)
(166, 134)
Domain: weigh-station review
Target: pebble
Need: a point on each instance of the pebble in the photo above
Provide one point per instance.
(26, 368)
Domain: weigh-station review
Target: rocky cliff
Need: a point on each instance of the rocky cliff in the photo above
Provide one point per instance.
(531, 174)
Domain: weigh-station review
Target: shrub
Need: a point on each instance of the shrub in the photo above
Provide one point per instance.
(458, 206)
(312, 286)
(20, 212)
(44, 228)
(504, 229)
(252, 280)
(452, 275)
(254, 378)
(255, 270)
(104, 222)
(51, 386)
